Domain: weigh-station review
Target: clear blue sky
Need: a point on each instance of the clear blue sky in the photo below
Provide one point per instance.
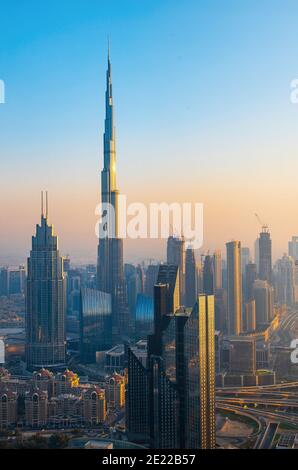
(201, 94)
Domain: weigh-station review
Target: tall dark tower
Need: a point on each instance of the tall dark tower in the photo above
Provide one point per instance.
(110, 273)
(45, 300)
(190, 278)
(265, 255)
(208, 275)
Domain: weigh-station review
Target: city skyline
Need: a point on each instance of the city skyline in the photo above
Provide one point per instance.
(232, 141)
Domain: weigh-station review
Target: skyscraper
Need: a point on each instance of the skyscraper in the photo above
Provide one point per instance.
(234, 287)
(176, 255)
(293, 248)
(190, 278)
(110, 274)
(208, 275)
(265, 255)
(217, 269)
(45, 300)
(263, 295)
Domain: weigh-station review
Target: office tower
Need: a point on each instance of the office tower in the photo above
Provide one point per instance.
(257, 253)
(199, 351)
(221, 321)
(245, 256)
(137, 399)
(250, 277)
(176, 255)
(296, 282)
(110, 275)
(263, 296)
(16, 280)
(217, 269)
(208, 276)
(45, 299)
(95, 323)
(182, 375)
(144, 320)
(234, 287)
(265, 255)
(190, 278)
(169, 274)
(293, 248)
(242, 355)
(250, 316)
(150, 279)
(285, 280)
(4, 281)
(131, 287)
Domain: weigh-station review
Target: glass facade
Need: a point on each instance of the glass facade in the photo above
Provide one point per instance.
(95, 323)
(144, 319)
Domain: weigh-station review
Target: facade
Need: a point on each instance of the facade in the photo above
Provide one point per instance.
(137, 399)
(115, 392)
(144, 316)
(263, 296)
(95, 323)
(234, 287)
(250, 316)
(242, 355)
(45, 300)
(208, 275)
(110, 273)
(171, 400)
(250, 277)
(190, 278)
(265, 256)
(8, 408)
(293, 248)
(176, 256)
(217, 269)
(285, 281)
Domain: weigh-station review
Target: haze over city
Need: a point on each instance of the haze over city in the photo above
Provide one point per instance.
(201, 89)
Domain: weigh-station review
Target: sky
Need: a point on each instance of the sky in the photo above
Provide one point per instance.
(202, 108)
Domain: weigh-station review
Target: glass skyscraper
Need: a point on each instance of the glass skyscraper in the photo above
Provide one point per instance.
(95, 323)
(45, 300)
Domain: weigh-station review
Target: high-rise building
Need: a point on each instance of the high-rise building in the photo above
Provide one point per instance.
(176, 255)
(217, 269)
(250, 277)
(293, 248)
(170, 403)
(234, 287)
(45, 300)
(168, 274)
(95, 323)
(250, 316)
(265, 255)
(285, 280)
(150, 279)
(242, 355)
(110, 273)
(263, 296)
(4, 285)
(208, 275)
(190, 278)
(245, 257)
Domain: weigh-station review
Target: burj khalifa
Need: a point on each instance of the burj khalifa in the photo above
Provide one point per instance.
(110, 274)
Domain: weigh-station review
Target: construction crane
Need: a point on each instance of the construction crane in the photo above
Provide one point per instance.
(265, 227)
